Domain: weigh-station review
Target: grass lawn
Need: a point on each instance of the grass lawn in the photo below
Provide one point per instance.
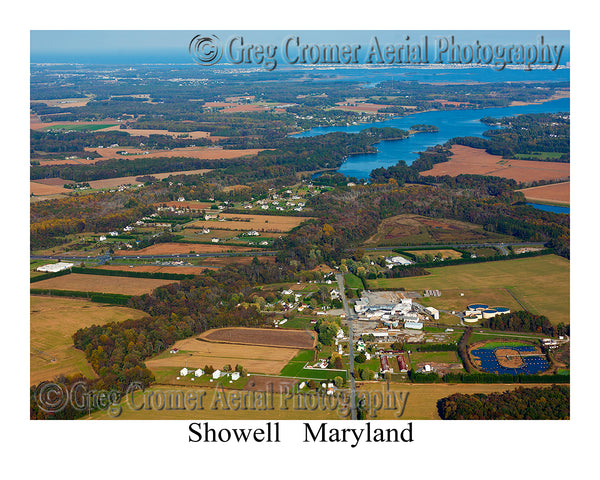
(541, 284)
(295, 368)
(298, 323)
(352, 281)
(505, 343)
(441, 357)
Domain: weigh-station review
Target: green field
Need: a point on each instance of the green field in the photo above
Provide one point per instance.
(541, 285)
(503, 343)
(295, 368)
(352, 281)
(80, 128)
(539, 156)
(441, 357)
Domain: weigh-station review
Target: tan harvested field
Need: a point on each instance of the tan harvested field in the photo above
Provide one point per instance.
(41, 198)
(37, 188)
(115, 182)
(261, 336)
(195, 353)
(179, 248)
(64, 102)
(203, 153)
(559, 94)
(476, 161)
(142, 132)
(421, 403)
(260, 223)
(52, 323)
(556, 193)
(446, 253)
(102, 284)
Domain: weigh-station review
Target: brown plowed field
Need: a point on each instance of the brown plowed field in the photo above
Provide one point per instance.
(556, 192)
(180, 248)
(476, 161)
(37, 188)
(102, 284)
(183, 270)
(261, 336)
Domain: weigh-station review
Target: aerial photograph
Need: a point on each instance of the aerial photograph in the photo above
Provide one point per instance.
(299, 225)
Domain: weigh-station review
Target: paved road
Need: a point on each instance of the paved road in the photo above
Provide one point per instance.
(101, 259)
(349, 316)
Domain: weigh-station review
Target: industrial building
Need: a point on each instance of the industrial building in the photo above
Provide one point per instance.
(479, 311)
(55, 267)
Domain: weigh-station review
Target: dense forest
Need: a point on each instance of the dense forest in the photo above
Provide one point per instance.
(527, 137)
(521, 321)
(552, 403)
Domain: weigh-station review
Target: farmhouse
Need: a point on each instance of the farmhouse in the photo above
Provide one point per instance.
(199, 372)
(183, 372)
(216, 374)
(55, 267)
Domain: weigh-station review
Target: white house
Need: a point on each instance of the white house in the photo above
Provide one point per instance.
(216, 374)
(253, 233)
(183, 372)
(199, 372)
(235, 376)
(214, 240)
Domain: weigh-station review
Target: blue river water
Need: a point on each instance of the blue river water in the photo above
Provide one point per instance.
(453, 123)
(551, 208)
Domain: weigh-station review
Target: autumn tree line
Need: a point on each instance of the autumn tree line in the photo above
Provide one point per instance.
(550, 403)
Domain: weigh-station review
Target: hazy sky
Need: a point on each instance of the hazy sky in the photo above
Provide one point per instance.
(83, 45)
